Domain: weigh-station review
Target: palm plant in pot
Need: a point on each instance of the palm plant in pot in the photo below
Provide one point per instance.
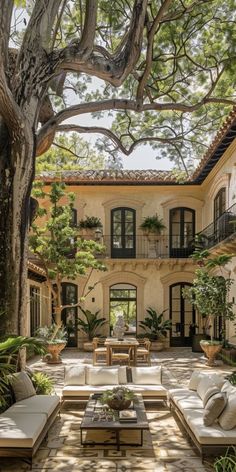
(209, 295)
(90, 325)
(155, 328)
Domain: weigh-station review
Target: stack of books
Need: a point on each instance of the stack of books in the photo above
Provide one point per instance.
(128, 416)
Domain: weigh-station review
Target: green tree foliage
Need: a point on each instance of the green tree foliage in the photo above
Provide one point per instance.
(63, 253)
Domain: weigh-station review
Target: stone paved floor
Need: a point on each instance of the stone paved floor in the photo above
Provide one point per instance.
(165, 449)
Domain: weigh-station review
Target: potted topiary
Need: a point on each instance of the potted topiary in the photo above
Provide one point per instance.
(209, 295)
(152, 227)
(155, 328)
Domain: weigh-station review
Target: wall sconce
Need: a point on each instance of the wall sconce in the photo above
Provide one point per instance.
(98, 234)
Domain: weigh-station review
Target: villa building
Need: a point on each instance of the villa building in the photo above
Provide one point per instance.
(145, 271)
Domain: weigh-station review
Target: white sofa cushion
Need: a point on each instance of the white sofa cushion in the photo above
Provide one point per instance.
(75, 374)
(37, 404)
(208, 434)
(227, 420)
(148, 390)
(197, 376)
(84, 390)
(22, 386)
(102, 376)
(206, 387)
(20, 429)
(214, 408)
(146, 375)
(185, 398)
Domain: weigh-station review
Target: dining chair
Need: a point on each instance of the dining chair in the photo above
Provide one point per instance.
(117, 356)
(143, 352)
(99, 352)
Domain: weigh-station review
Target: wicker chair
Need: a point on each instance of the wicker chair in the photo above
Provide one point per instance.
(99, 352)
(120, 357)
(143, 352)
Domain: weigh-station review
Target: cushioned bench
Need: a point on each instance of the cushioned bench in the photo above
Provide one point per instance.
(83, 380)
(207, 410)
(24, 425)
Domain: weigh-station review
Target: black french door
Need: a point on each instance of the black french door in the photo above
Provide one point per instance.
(123, 233)
(182, 315)
(182, 232)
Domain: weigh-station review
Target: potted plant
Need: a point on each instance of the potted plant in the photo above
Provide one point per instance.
(55, 339)
(155, 328)
(89, 326)
(89, 225)
(152, 227)
(119, 398)
(209, 294)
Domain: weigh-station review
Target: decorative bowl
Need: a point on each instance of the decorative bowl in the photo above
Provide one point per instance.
(115, 404)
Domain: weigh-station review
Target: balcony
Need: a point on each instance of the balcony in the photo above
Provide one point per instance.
(220, 232)
(157, 247)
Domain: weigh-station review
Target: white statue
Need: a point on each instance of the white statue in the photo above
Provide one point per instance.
(119, 326)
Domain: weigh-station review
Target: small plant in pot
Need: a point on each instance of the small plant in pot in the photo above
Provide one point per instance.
(89, 225)
(152, 225)
(119, 398)
(156, 329)
(209, 295)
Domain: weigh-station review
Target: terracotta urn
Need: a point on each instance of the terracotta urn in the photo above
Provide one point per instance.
(211, 351)
(54, 353)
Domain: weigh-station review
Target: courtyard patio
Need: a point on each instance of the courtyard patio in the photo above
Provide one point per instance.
(165, 449)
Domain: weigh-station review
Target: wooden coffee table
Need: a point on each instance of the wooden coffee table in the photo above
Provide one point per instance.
(92, 421)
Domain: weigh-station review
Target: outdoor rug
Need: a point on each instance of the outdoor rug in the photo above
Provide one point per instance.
(165, 448)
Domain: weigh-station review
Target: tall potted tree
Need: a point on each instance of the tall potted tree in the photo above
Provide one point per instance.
(209, 294)
(56, 242)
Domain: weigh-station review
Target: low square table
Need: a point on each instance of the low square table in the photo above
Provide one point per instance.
(92, 421)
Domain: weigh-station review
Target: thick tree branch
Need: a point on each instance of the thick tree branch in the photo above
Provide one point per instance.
(151, 35)
(47, 132)
(116, 68)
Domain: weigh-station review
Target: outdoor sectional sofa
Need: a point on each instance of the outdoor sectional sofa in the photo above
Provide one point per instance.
(83, 380)
(207, 410)
(24, 425)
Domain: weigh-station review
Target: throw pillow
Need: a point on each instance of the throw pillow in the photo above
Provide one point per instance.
(214, 408)
(146, 375)
(227, 419)
(22, 386)
(197, 376)
(210, 391)
(102, 376)
(228, 388)
(204, 385)
(75, 375)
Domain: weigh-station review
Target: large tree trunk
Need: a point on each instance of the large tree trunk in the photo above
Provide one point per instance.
(16, 175)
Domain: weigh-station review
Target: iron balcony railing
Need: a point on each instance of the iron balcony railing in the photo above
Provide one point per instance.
(143, 247)
(218, 230)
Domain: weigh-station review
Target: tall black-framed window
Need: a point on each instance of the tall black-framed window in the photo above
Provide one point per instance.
(123, 232)
(69, 315)
(182, 231)
(34, 309)
(220, 203)
(220, 217)
(182, 315)
(74, 217)
(123, 300)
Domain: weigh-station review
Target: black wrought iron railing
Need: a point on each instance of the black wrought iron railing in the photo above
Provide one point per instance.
(218, 230)
(144, 247)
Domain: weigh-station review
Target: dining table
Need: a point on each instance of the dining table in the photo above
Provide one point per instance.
(125, 344)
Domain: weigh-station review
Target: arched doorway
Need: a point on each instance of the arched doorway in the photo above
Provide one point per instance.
(123, 224)
(182, 315)
(123, 299)
(182, 231)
